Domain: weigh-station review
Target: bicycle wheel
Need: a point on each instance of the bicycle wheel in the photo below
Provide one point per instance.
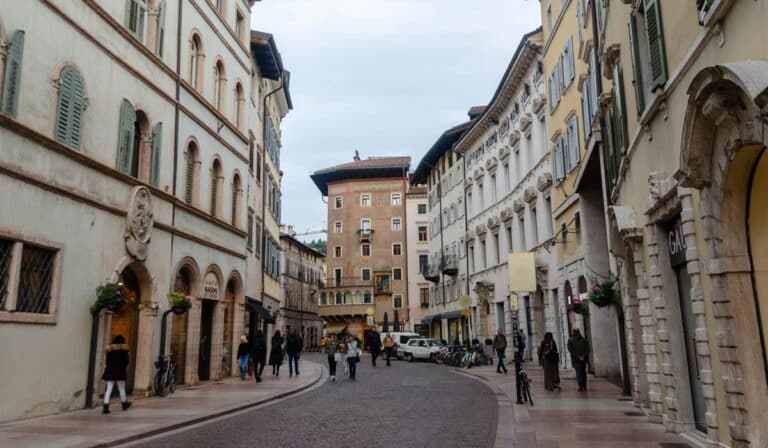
(527, 392)
(159, 383)
(171, 380)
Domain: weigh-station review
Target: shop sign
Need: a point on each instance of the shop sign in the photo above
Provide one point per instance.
(676, 245)
(465, 300)
(210, 286)
(369, 321)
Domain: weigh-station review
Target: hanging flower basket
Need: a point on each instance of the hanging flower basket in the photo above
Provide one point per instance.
(602, 292)
(111, 296)
(581, 307)
(180, 303)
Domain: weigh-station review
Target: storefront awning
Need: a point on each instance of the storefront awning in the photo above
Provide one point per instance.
(428, 319)
(255, 307)
(334, 328)
(452, 315)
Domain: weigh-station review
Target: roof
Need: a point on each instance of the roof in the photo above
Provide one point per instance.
(444, 143)
(301, 245)
(264, 50)
(375, 167)
(476, 111)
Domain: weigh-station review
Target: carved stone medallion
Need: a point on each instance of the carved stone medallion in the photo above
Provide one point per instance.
(141, 219)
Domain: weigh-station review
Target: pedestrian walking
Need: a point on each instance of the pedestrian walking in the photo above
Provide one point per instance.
(243, 356)
(500, 346)
(258, 354)
(341, 355)
(276, 353)
(116, 371)
(549, 358)
(353, 356)
(578, 347)
(293, 347)
(331, 350)
(389, 346)
(374, 345)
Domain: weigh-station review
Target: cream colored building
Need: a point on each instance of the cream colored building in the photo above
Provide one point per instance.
(126, 152)
(417, 253)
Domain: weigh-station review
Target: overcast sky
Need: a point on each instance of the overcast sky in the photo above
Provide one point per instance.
(385, 77)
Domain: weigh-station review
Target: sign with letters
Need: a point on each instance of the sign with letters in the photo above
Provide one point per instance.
(676, 245)
(211, 286)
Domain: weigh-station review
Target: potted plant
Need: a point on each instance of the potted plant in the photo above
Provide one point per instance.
(111, 296)
(179, 302)
(581, 307)
(602, 292)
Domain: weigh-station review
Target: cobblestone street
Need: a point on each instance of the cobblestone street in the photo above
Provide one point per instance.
(406, 405)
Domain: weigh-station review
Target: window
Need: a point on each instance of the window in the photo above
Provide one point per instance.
(220, 6)
(239, 105)
(480, 195)
(12, 78)
(237, 195)
(507, 180)
(257, 235)
(215, 192)
(339, 202)
(397, 301)
(469, 203)
(549, 19)
(365, 249)
(137, 141)
(219, 81)
(423, 263)
(160, 30)
(548, 216)
(396, 199)
(70, 105)
(365, 200)
(483, 255)
(337, 277)
(424, 297)
(339, 300)
(472, 259)
(32, 274)
(558, 159)
(337, 251)
(422, 209)
(510, 241)
(337, 227)
(365, 224)
(196, 62)
(397, 274)
(323, 298)
(367, 297)
(258, 165)
(422, 234)
(534, 226)
(397, 224)
(493, 188)
(521, 232)
(571, 151)
(365, 274)
(134, 17)
(397, 249)
(249, 228)
(496, 249)
(239, 20)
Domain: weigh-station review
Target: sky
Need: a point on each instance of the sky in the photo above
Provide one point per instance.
(384, 77)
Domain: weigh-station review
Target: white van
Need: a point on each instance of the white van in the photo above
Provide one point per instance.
(401, 338)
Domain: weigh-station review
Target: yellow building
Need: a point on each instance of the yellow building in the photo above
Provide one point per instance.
(684, 126)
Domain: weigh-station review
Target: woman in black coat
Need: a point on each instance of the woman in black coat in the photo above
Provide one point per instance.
(276, 353)
(116, 371)
(258, 354)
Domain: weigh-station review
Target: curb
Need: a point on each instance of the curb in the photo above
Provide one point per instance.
(507, 401)
(196, 420)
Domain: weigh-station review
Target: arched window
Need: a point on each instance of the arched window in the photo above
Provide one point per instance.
(237, 194)
(195, 61)
(216, 178)
(239, 105)
(190, 173)
(218, 85)
(138, 151)
(70, 106)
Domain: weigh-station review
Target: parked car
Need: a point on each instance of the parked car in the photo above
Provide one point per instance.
(401, 339)
(422, 348)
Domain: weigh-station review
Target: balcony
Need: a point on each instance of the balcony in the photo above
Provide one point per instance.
(450, 265)
(366, 235)
(432, 273)
(334, 312)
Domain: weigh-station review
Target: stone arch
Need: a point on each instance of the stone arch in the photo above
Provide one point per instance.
(233, 307)
(723, 141)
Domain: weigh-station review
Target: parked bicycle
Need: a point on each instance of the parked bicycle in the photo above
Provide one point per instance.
(525, 387)
(165, 377)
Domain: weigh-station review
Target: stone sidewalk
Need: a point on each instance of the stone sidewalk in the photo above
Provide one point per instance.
(89, 428)
(600, 417)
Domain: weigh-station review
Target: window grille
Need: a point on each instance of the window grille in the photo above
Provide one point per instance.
(35, 280)
(5, 264)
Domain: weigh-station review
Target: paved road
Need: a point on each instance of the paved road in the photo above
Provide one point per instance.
(408, 405)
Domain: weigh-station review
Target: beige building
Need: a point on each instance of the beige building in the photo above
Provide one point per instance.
(146, 185)
(367, 275)
(417, 253)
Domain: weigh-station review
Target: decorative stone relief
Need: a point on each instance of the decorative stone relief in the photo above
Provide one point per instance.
(141, 219)
(544, 181)
(518, 205)
(506, 214)
(530, 194)
(493, 222)
(481, 229)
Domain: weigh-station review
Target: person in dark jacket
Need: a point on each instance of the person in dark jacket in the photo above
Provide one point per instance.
(500, 345)
(116, 371)
(579, 349)
(549, 358)
(276, 353)
(293, 348)
(258, 354)
(374, 345)
(243, 356)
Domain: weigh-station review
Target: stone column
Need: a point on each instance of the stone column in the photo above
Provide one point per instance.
(142, 383)
(193, 343)
(217, 340)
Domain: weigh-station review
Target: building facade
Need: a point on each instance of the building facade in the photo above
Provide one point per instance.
(417, 251)
(509, 181)
(151, 176)
(367, 275)
(301, 269)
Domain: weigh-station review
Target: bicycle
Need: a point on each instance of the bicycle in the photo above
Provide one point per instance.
(525, 387)
(165, 377)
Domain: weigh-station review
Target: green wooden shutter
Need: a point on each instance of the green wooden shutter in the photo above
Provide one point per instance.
(214, 191)
(12, 79)
(609, 144)
(570, 61)
(574, 125)
(69, 107)
(565, 145)
(189, 176)
(655, 32)
(160, 35)
(636, 66)
(157, 144)
(125, 136)
(620, 108)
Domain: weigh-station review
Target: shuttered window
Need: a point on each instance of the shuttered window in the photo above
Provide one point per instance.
(134, 17)
(585, 109)
(636, 65)
(214, 189)
(160, 35)
(127, 128)
(189, 175)
(574, 151)
(579, 20)
(12, 77)
(569, 62)
(620, 119)
(157, 142)
(654, 29)
(557, 155)
(70, 105)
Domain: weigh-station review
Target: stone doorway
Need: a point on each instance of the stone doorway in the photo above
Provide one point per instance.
(125, 322)
(206, 336)
(184, 283)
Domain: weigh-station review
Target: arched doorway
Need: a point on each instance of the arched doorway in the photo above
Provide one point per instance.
(184, 283)
(227, 348)
(125, 322)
